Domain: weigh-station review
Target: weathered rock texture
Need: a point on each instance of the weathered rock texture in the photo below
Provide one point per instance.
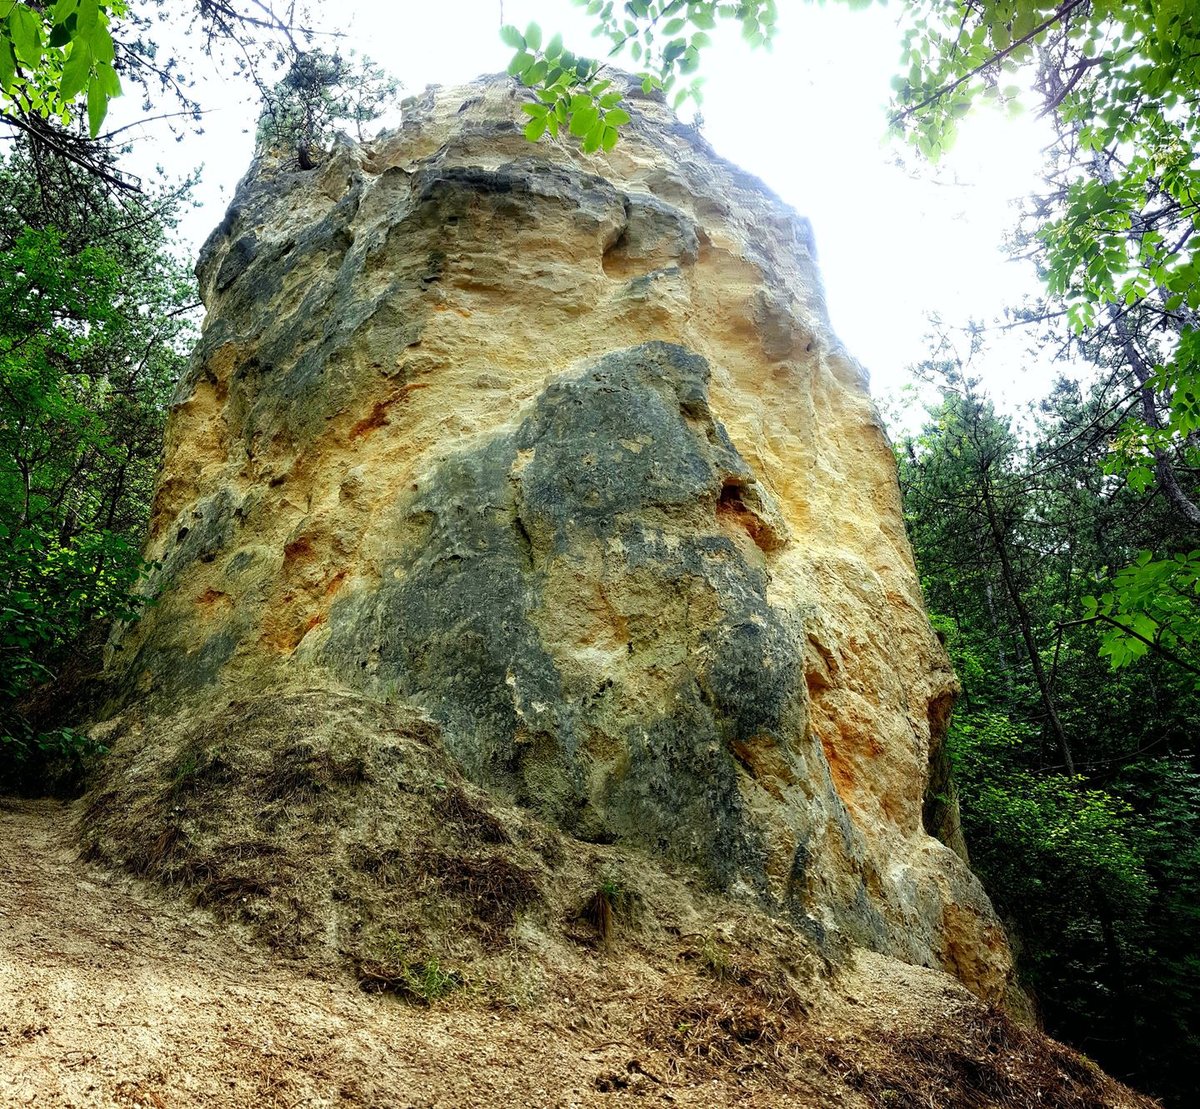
(561, 451)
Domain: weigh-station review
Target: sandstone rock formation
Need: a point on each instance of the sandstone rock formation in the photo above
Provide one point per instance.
(559, 453)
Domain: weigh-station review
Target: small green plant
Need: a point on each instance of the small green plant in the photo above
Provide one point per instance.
(430, 980)
(714, 960)
(425, 981)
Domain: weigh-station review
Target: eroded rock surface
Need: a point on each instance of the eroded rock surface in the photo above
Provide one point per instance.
(561, 452)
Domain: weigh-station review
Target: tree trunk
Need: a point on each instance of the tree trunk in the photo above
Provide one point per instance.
(1026, 622)
(1163, 468)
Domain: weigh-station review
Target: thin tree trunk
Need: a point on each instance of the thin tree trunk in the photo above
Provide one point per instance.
(1163, 468)
(1026, 623)
(987, 591)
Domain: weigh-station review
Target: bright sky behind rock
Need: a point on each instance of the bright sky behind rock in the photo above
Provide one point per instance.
(808, 118)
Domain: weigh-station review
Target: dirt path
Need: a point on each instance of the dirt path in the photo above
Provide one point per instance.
(110, 996)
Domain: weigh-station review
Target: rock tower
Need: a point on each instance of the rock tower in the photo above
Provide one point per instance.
(559, 453)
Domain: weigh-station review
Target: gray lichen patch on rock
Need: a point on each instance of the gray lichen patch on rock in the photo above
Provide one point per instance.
(574, 614)
(561, 452)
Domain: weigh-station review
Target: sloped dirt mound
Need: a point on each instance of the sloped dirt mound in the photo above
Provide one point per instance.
(334, 825)
(114, 994)
(982, 1060)
(293, 896)
(338, 829)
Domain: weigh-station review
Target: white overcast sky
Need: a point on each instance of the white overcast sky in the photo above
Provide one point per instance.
(808, 118)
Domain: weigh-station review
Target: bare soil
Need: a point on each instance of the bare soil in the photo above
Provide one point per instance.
(114, 993)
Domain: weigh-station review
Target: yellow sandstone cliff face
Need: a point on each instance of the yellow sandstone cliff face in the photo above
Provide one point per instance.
(561, 451)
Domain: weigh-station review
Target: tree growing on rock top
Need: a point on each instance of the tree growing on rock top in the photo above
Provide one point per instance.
(322, 94)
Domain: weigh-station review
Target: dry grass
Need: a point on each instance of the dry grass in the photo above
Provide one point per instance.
(321, 818)
(719, 1031)
(471, 817)
(979, 1060)
(339, 830)
(610, 904)
(491, 887)
(970, 1057)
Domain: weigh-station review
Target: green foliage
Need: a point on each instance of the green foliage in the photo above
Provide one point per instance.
(1151, 604)
(56, 56)
(321, 93)
(92, 317)
(1095, 873)
(664, 38)
(1113, 236)
(1047, 840)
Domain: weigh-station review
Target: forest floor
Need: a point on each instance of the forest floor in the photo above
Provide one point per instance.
(113, 994)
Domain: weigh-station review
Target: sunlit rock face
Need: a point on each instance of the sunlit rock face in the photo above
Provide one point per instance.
(561, 451)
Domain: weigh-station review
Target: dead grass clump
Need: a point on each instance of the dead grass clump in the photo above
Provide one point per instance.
(493, 887)
(713, 1032)
(198, 768)
(231, 874)
(610, 903)
(980, 1060)
(388, 866)
(758, 973)
(301, 773)
(474, 820)
(158, 852)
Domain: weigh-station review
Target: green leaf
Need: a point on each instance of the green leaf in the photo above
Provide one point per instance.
(616, 117)
(583, 120)
(592, 140)
(76, 71)
(535, 128)
(88, 16)
(97, 105)
(510, 36)
(26, 31)
(8, 65)
(533, 36)
(520, 63)
(102, 45)
(111, 83)
(554, 47)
